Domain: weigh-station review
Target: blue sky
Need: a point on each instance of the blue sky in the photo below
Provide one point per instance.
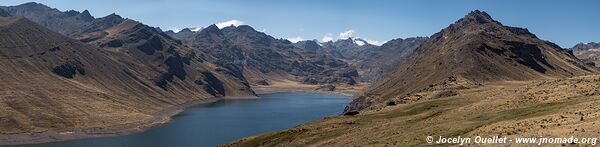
(563, 22)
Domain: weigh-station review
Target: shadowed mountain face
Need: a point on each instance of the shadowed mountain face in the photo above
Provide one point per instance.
(475, 49)
(588, 52)
(175, 62)
(67, 23)
(258, 57)
(309, 45)
(3, 13)
(376, 63)
(52, 82)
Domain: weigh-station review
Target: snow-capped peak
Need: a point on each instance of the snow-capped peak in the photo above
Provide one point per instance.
(197, 29)
(359, 41)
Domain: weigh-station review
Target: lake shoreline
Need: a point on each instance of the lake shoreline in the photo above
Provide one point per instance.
(272, 90)
(310, 91)
(159, 119)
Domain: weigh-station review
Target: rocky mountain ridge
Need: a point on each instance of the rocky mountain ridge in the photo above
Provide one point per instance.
(67, 23)
(475, 49)
(261, 57)
(586, 46)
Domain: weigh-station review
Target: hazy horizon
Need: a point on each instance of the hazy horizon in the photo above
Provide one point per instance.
(565, 23)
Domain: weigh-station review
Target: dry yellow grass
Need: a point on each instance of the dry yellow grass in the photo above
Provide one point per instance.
(556, 107)
(285, 85)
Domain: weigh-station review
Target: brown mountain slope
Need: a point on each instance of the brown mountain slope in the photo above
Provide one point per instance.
(473, 50)
(50, 82)
(588, 52)
(131, 40)
(590, 56)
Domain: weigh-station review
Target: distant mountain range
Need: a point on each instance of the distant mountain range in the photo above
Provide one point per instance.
(586, 46)
(372, 62)
(67, 23)
(260, 57)
(185, 33)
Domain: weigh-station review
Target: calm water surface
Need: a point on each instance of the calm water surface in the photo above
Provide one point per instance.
(225, 121)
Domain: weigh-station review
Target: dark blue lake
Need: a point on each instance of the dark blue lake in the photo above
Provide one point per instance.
(225, 121)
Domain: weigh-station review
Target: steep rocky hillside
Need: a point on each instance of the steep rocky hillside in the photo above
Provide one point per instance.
(475, 49)
(376, 63)
(260, 57)
(53, 83)
(132, 40)
(588, 52)
(590, 57)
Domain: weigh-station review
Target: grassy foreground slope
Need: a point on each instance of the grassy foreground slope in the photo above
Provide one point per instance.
(555, 107)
